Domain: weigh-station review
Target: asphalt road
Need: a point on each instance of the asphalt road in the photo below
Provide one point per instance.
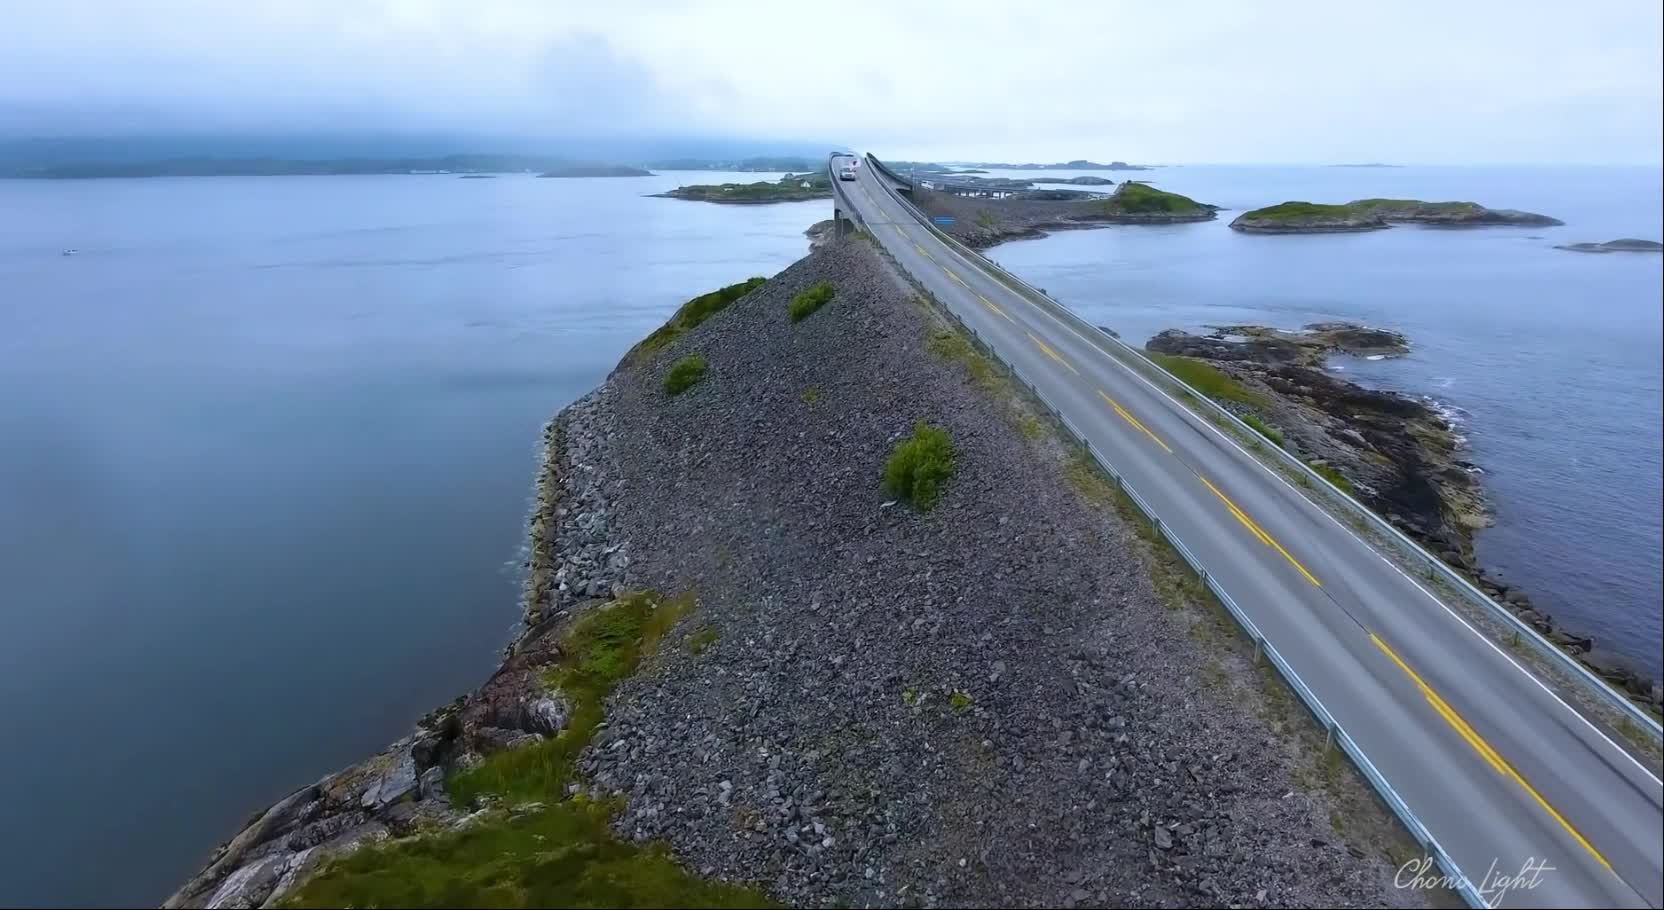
(1500, 770)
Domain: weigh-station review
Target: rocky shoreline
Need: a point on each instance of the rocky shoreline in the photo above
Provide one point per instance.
(869, 705)
(1378, 214)
(1399, 456)
(1622, 245)
(981, 223)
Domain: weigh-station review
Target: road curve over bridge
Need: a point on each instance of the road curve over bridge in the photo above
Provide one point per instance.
(1498, 769)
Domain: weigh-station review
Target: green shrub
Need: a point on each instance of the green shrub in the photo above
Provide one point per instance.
(1264, 429)
(685, 373)
(1206, 378)
(1331, 474)
(810, 300)
(691, 314)
(702, 640)
(920, 465)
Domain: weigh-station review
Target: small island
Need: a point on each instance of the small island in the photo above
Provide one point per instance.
(1377, 214)
(1622, 245)
(1140, 203)
(1077, 181)
(596, 170)
(790, 188)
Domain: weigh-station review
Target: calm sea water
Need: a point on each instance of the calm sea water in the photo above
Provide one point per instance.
(1549, 361)
(266, 450)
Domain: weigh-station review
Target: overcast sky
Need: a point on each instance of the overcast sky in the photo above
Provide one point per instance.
(1455, 81)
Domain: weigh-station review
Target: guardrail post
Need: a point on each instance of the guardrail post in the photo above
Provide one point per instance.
(1259, 646)
(1328, 739)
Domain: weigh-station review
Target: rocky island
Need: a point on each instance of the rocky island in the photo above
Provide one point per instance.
(790, 188)
(1377, 214)
(1087, 180)
(1395, 453)
(596, 170)
(766, 656)
(1623, 245)
(982, 221)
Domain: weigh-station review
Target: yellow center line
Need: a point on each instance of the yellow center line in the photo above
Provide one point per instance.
(1260, 532)
(1052, 354)
(956, 278)
(923, 252)
(990, 305)
(1125, 415)
(1484, 749)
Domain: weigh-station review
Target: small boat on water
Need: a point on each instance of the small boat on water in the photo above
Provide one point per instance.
(71, 252)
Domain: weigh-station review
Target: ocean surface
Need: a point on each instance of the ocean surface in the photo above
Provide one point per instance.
(266, 455)
(267, 444)
(1547, 361)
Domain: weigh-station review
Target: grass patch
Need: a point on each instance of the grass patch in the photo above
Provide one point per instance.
(562, 856)
(1331, 474)
(1206, 378)
(1288, 211)
(960, 701)
(690, 315)
(952, 345)
(701, 641)
(687, 371)
(1143, 199)
(986, 219)
(811, 395)
(919, 466)
(1030, 426)
(1264, 429)
(810, 300)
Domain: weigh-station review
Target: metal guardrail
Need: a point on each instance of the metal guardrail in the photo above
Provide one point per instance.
(1432, 565)
(1262, 646)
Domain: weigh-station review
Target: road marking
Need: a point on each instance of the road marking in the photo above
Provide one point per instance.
(990, 305)
(1484, 748)
(1052, 354)
(956, 278)
(923, 252)
(1259, 532)
(1133, 420)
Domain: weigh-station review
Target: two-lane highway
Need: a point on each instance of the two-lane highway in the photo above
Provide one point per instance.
(1500, 770)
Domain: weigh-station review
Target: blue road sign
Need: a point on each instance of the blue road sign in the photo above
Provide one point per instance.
(943, 220)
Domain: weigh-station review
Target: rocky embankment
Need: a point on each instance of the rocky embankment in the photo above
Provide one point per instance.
(983, 222)
(1397, 454)
(821, 233)
(1622, 245)
(1378, 214)
(996, 702)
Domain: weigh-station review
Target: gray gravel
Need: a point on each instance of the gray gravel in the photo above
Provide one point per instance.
(817, 747)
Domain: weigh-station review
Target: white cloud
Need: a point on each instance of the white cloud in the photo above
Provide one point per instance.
(1186, 80)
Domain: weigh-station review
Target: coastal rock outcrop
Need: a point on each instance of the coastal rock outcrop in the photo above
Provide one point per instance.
(1377, 214)
(982, 222)
(1622, 245)
(1399, 455)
